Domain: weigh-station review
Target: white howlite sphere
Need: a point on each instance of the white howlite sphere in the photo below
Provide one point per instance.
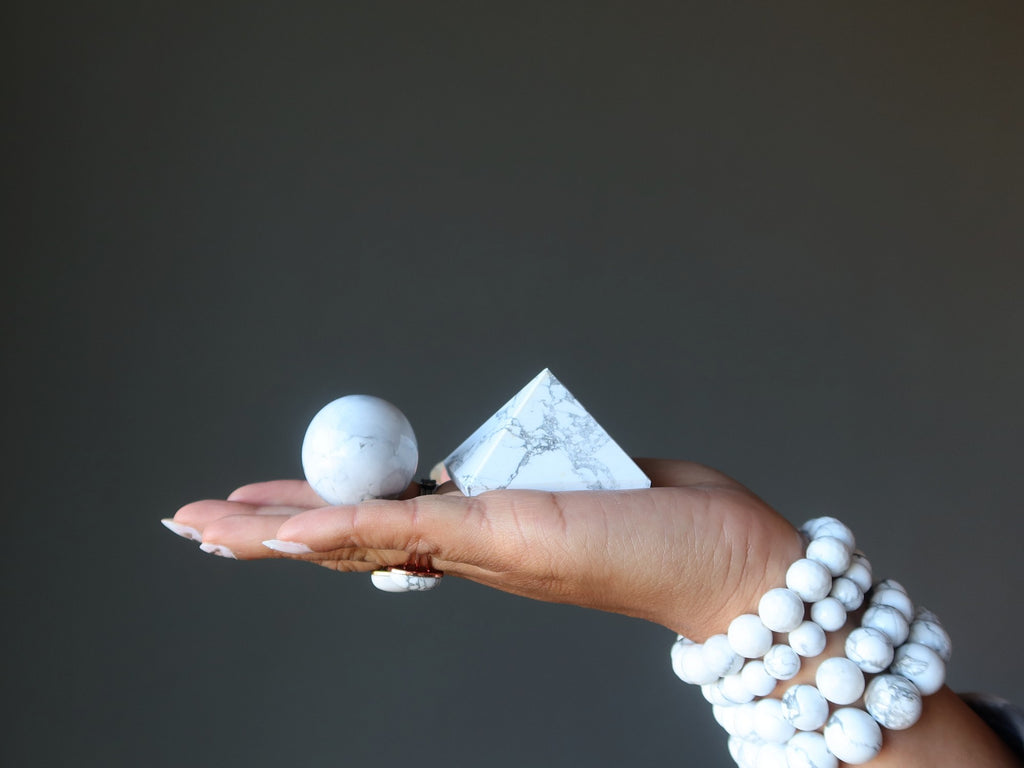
(359, 447)
(725, 716)
(734, 689)
(846, 591)
(808, 640)
(829, 614)
(920, 665)
(931, 634)
(889, 620)
(781, 609)
(809, 750)
(398, 580)
(749, 751)
(859, 572)
(899, 600)
(853, 736)
(713, 694)
(743, 722)
(890, 584)
(749, 637)
(839, 680)
(719, 655)
(757, 679)
(781, 662)
(830, 552)
(735, 745)
(870, 649)
(809, 579)
(805, 707)
(893, 701)
(836, 530)
(770, 723)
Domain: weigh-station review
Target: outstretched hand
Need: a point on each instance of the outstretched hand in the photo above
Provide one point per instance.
(690, 553)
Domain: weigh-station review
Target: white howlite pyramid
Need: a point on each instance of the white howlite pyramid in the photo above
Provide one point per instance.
(542, 439)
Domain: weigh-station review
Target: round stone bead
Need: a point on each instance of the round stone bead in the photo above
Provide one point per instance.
(893, 701)
(830, 552)
(735, 748)
(809, 750)
(846, 591)
(931, 634)
(749, 637)
(870, 649)
(898, 600)
(853, 736)
(749, 750)
(808, 640)
(810, 580)
(359, 447)
(829, 614)
(859, 571)
(725, 716)
(781, 662)
(839, 680)
(771, 755)
(920, 665)
(890, 584)
(769, 722)
(805, 707)
(688, 663)
(888, 620)
(734, 689)
(833, 528)
(718, 655)
(714, 696)
(743, 721)
(781, 610)
(757, 679)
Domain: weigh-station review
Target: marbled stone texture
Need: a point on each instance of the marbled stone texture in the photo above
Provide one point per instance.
(542, 439)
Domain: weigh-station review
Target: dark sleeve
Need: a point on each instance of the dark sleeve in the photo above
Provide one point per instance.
(1002, 717)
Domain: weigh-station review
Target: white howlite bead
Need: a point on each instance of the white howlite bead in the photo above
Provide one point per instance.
(846, 591)
(890, 584)
(749, 751)
(725, 716)
(839, 680)
(811, 526)
(718, 655)
(898, 600)
(829, 614)
(808, 640)
(805, 707)
(889, 620)
(734, 689)
(893, 701)
(920, 665)
(859, 571)
(834, 529)
(743, 721)
(931, 634)
(735, 744)
(749, 637)
(781, 609)
(924, 614)
(809, 579)
(757, 679)
(781, 662)
(714, 696)
(870, 649)
(737, 665)
(809, 750)
(853, 736)
(688, 664)
(769, 722)
(830, 552)
(771, 755)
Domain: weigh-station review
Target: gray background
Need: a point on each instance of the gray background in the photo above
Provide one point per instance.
(781, 239)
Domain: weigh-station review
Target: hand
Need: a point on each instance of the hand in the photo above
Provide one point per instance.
(690, 553)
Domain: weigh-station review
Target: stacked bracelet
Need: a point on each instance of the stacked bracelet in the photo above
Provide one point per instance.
(813, 725)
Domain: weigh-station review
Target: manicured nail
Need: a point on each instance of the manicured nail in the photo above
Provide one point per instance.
(218, 549)
(186, 531)
(288, 547)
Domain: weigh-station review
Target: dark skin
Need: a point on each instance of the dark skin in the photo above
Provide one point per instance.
(691, 553)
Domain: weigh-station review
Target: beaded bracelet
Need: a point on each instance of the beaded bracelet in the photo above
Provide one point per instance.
(905, 649)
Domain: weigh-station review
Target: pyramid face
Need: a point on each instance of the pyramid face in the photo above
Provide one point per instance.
(542, 439)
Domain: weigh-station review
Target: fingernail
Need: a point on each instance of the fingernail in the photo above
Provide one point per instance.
(218, 549)
(288, 547)
(185, 531)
